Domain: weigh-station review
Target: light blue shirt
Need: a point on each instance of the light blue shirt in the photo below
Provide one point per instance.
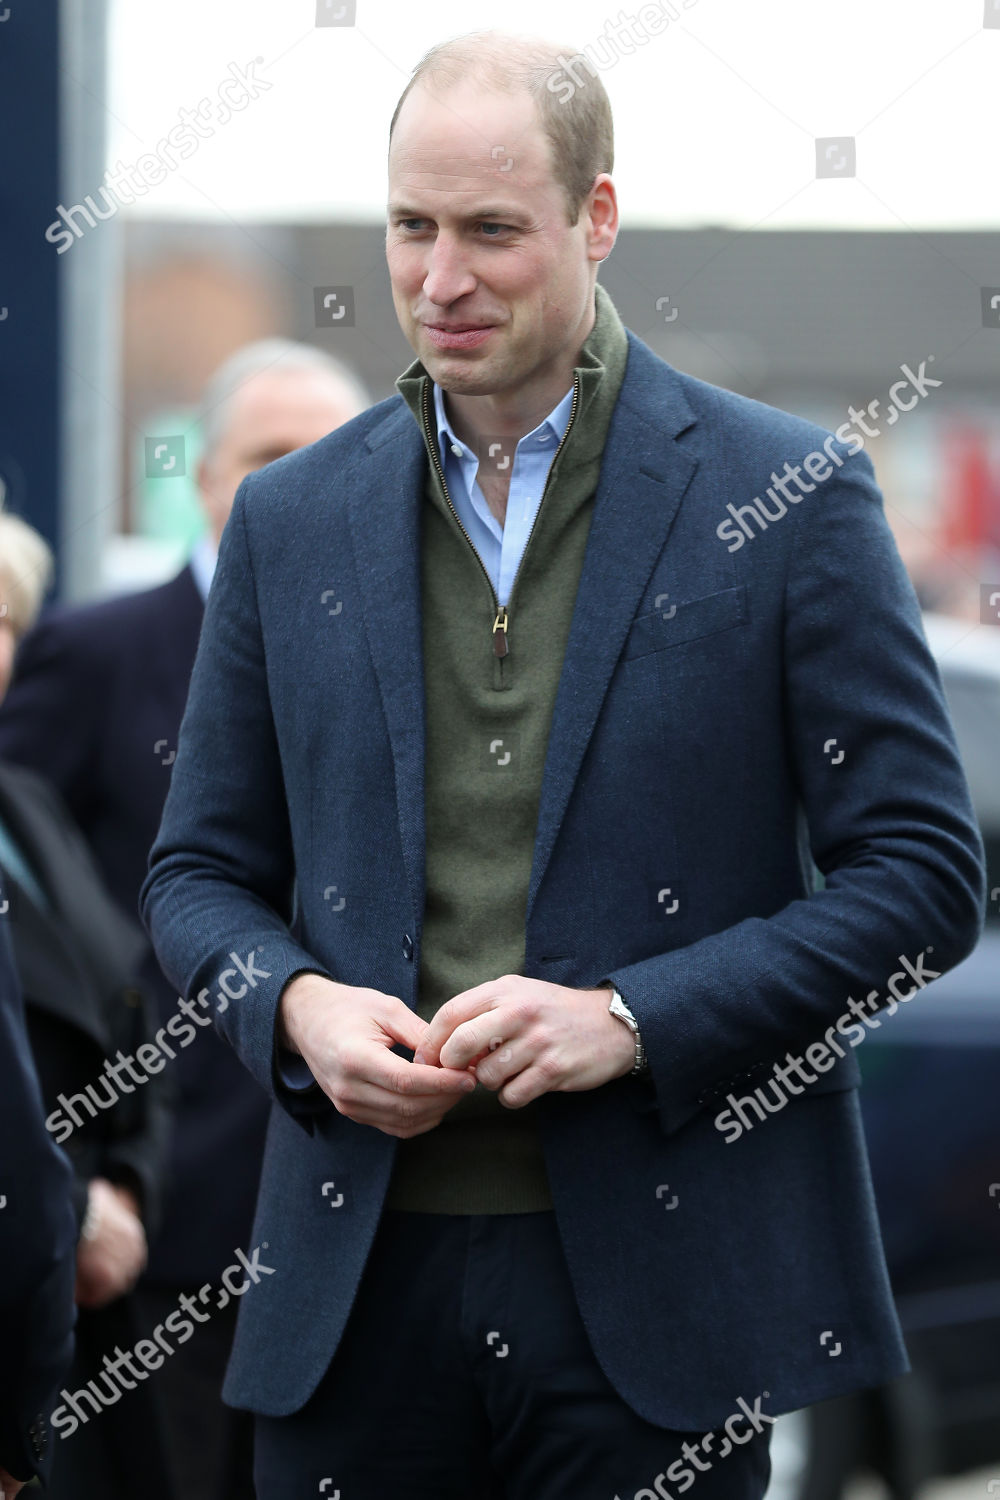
(202, 564)
(501, 547)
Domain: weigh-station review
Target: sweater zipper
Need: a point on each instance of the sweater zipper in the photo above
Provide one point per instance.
(501, 612)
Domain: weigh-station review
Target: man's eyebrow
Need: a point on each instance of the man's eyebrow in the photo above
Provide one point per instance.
(506, 214)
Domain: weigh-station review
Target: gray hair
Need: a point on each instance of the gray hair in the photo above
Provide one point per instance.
(283, 356)
(26, 570)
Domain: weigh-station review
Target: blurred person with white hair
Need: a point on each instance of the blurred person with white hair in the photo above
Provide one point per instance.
(96, 704)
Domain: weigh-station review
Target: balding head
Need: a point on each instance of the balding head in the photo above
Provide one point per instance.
(573, 110)
(266, 400)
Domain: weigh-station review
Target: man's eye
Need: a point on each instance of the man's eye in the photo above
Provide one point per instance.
(489, 225)
(407, 223)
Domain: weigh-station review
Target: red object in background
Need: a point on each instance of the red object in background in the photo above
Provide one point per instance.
(970, 516)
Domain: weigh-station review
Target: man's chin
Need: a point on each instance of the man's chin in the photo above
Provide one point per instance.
(462, 381)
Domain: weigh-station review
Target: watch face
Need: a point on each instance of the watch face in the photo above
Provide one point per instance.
(618, 1008)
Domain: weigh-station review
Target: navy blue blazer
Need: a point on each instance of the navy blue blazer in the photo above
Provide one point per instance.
(689, 754)
(96, 705)
(37, 1245)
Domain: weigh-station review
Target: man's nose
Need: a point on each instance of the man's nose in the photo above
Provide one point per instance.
(448, 273)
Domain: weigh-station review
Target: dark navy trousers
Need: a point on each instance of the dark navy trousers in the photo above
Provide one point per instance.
(465, 1373)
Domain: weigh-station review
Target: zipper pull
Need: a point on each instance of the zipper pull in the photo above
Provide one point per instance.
(500, 632)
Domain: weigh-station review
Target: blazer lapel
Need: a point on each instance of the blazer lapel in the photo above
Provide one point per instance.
(644, 475)
(385, 529)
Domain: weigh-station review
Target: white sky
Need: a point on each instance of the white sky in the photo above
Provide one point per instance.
(715, 118)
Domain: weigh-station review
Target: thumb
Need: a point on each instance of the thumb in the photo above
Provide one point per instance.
(404, 1025)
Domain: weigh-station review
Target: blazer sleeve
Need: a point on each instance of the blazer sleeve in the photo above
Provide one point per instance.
(891, 828)
(220, 882)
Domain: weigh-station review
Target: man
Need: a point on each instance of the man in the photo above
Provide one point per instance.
(37, 1250)
(96, 704)
(504, 738)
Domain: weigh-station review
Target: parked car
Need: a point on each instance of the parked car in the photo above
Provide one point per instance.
(931, 1107)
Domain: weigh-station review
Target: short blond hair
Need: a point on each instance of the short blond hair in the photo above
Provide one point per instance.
(27, 568)
(579, 128)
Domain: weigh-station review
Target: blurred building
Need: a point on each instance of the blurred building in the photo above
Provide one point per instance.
(810, 321)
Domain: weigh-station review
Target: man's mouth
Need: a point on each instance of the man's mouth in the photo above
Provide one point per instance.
(457, 335)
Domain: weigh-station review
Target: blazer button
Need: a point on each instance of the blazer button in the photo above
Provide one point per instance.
(407, 946)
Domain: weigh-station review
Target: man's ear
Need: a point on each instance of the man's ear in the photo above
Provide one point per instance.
(602, 211)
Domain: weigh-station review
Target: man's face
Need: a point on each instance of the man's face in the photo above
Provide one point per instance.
(470, 244)
(272, 414)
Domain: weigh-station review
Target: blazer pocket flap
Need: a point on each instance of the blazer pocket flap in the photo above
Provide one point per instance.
(686, 621)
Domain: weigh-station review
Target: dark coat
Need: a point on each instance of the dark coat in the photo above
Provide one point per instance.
(95, 705)
(77, 965)
(689, 750)
(38, 1233)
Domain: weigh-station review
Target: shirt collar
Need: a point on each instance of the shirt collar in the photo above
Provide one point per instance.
(202, 564)
(546, 436)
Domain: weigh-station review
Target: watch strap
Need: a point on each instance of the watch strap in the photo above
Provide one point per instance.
(619, 1009)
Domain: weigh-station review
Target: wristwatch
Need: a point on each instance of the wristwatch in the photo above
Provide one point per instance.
(620, 1009)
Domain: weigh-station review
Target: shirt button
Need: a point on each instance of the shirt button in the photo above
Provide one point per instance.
(407, 946)
(456, 448)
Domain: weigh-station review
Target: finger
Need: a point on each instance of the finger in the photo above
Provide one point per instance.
(530, 1084)
(368, 1105)
(503, 1063)
(377, 1088)
(381, 1069)
(402, 1023)
(454, 1013)
(477, 1038)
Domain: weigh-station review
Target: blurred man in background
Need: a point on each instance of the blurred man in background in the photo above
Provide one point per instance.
(96, 704)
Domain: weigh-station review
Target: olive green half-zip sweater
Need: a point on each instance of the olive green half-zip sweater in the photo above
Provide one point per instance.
(487, 728)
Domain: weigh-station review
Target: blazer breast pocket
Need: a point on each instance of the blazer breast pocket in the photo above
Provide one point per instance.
(686, 621)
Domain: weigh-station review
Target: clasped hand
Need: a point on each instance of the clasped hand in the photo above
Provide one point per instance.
(518, 1037)
(526, 1037)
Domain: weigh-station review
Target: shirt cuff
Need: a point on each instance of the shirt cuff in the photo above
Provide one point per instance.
(289, 1068)
(294, 1072)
